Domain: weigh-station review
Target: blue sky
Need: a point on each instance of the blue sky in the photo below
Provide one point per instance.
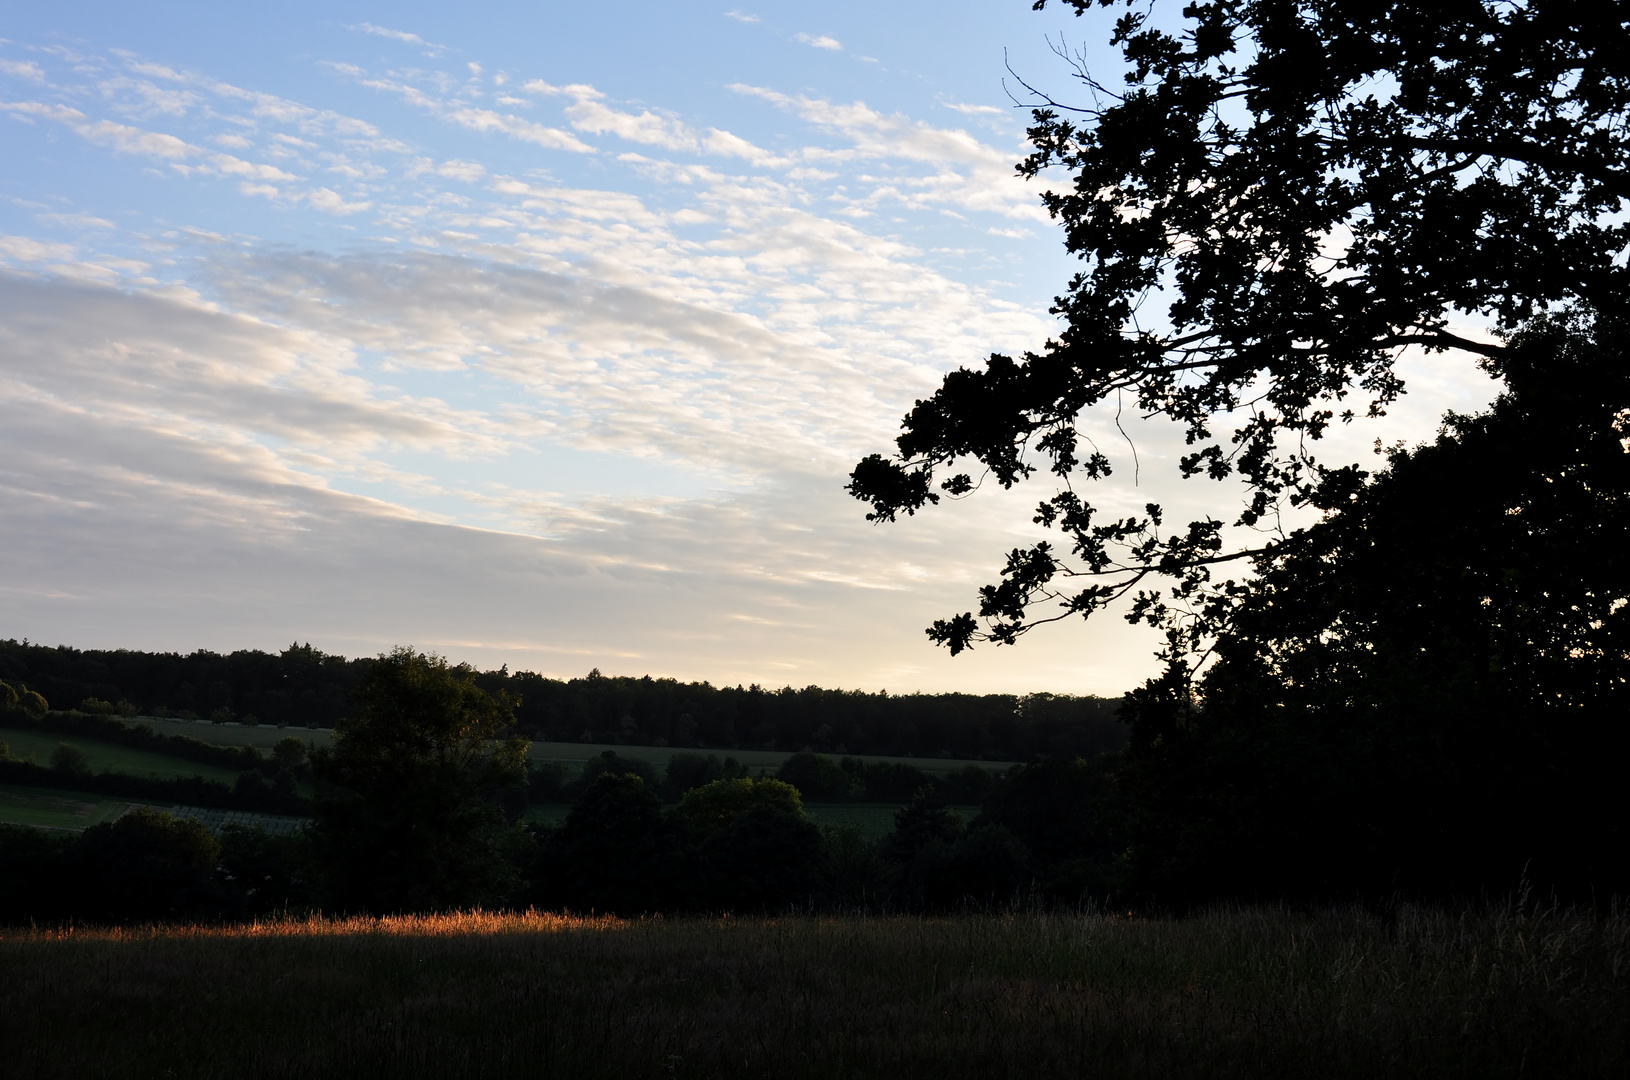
(535, 334)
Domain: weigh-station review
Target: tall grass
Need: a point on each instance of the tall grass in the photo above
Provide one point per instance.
(1238, 992)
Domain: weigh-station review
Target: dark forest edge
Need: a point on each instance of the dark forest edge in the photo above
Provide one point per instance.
(306, 687)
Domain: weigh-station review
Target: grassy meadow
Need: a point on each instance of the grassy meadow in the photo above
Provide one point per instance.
(265, 736)
(110, 757)
(1244, 992)
(48, 809)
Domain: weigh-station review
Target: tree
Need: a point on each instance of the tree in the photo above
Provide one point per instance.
(754, 848)
(408, 807)
(148, 866)
(1427, 690)
(1282, 196)
(616, 852)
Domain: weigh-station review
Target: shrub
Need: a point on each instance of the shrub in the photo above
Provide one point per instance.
(70, 759)
(96, 707)
(609, 762)
(688, 771)
(817, 778)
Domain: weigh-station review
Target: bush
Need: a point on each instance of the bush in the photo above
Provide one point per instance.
(689, 771)
(546, 782)
(96, 707)
(817, 778)
(70, 759)
(609, 762)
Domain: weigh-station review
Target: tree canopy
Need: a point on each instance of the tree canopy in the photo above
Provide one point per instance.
(409, 808)
(1278, 198)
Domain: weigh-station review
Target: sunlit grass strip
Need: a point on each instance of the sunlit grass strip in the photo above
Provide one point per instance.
(435, 925)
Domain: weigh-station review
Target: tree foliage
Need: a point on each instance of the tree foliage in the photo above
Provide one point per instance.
(1427, 690)
(409, 808)
(1281, 196)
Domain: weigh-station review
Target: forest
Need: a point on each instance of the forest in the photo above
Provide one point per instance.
(306, 687)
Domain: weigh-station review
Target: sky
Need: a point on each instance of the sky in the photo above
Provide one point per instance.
(534, 334)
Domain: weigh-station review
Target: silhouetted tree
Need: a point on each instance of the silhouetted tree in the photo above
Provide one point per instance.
(408, 807)
(1426, 691)
(1283, 195)
(755, 849)
(616, 852)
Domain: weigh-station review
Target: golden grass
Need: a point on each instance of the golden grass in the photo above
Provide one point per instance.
(439, 925)
(1233, 993)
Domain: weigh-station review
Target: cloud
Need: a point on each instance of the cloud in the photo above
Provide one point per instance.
(26, 249)
(476, 119)
(539, 416)
(821, 42)
(331, 202)
(400, 35)
(23, 69)
(741, 16)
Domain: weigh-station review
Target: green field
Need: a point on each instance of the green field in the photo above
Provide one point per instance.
(1246, 993)
(265, 737)
(51, 809)
(875, 820)
(109, 757)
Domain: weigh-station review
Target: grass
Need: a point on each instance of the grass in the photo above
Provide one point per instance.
(110, 757)
(875, 820)
(266, 736)
(45, 808)
(1258, 993)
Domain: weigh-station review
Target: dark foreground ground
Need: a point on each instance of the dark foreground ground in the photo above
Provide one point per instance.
(1234, 993)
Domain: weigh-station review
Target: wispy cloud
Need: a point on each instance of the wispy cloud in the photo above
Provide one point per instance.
(819, 42)
(400, 35)
(23, 69)
(625, 396)
(741, 16)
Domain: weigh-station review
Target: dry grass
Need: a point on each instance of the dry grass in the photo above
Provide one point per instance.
(1249, 992)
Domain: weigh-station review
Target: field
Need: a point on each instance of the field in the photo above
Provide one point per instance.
(265, 737)
(45, 808)
(109, 757)
(875, 820)
(1258, 993)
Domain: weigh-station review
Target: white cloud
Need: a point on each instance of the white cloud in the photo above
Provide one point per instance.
(821, 42)
(23, 69)
(534, 417)
(331, 202)
(741, 16)
(400, 35)
(26, 249)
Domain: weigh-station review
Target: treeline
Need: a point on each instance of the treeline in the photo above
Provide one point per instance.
(307, 687)
(734, 844)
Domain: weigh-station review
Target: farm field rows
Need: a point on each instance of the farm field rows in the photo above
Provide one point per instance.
(109, 757)
(1230, 993)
